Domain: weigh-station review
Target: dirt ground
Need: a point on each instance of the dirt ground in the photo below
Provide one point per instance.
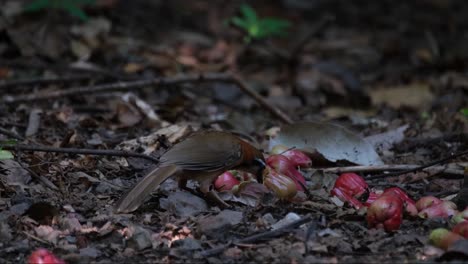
(139, 76)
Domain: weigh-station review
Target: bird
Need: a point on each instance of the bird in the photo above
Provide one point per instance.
(202, 157)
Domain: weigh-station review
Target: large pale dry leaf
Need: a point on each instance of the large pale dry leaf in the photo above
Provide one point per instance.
(416, 95)
(386, 140)
(333, 142)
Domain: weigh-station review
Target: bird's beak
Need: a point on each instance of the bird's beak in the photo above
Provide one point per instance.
(260, 171)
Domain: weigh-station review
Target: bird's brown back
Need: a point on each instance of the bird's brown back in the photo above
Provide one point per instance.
(206, 151)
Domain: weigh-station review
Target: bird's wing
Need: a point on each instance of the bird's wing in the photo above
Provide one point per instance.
(137, 195)
(207, 151)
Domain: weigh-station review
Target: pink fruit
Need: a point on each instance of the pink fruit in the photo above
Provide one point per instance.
(283, 186)
(409, 204)
(461, 229)
(43, 256)
(284, 166)
(225, 181)
(427, 201)
(348, 187)
(386, 212)
(443, 209)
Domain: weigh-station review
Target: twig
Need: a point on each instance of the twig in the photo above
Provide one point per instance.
(104, 152)
(7, 132)
(317, 28)
(260, 100)
(42, 179)
(41, 81)
(398, 167)
(134, 85)
(430, 164)
(256, 237)
(38, 239)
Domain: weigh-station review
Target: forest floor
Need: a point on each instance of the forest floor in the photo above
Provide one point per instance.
(141, 75)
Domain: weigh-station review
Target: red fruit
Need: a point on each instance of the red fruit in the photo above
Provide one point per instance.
(297, 157)
(444, 209)
(443, 238)
(461, 229)
(348, 187)
(427, 201)
(345, 197)
(225, 181)
(372, 197)
(409, 204)
(386, 212)
(284, 166)
(283, 186)
(43, 256)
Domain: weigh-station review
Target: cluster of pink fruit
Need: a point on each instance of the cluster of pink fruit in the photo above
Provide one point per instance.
(44, 256)
(281, 175)
(385, 209)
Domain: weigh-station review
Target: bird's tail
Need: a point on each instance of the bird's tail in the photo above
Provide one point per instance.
(135, 197)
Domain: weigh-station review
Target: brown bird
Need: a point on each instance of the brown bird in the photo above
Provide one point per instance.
(202, 157)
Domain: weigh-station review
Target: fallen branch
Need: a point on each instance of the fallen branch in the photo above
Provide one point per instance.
(163, 81)
(399, 167)
(257, 237)
(11, 134)
(419, 168)
(41, 81)
(103, 152)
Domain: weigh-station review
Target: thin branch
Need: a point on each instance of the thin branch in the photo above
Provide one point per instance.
(41, 81)
(260, 100)
(419, 168)
(257, 237)
(103, 152)
(11, 134)
(139, 84)
(398, 167)
(312, 33)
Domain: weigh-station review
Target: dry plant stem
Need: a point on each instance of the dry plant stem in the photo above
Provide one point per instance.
(135, 85)
(430, 164)
(33, 82)
(7, 132)
(312, 33)
(103, 152)
(399, 167)
(257, 237)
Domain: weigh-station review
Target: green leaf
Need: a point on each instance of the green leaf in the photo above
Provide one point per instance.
(249, 14)
(240, 23)
(464, 111)
(4, 154)
(37, 5)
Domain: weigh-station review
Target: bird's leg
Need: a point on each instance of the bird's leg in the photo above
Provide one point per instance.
(207, 189)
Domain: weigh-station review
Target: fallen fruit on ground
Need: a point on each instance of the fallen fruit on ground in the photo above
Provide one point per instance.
(349, 187)
(283, 186)
(44, 256)
(285, 167)
(386, 212)
(427, 201)
(461, 229)
(409, 204)
(226, 181)
(297, 157)
(443, 238)
(460, 217)
(444, 209)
